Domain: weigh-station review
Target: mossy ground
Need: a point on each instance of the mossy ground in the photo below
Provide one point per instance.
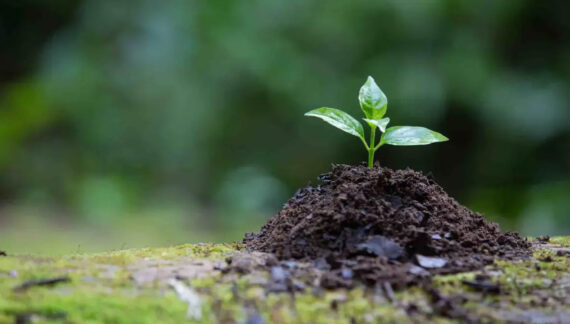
(103, 289)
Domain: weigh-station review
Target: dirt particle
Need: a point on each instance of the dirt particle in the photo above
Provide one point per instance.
(41, 282)
(547, 258)
(483, 286)
(29, 317)
(381, 246)
(543, 239)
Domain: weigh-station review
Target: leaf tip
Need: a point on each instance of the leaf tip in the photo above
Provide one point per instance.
(310, 113)
(370, 81)
(442, 138)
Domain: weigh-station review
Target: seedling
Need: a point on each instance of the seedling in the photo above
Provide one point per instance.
(374, 104)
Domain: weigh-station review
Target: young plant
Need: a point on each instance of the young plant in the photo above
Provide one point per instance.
(374, 104)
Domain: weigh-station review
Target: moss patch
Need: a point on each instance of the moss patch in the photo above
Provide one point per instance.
(104, 288)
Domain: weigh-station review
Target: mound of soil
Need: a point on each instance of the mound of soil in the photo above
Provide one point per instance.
(380, 225)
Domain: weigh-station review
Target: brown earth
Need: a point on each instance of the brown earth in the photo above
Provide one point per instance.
(382, 226)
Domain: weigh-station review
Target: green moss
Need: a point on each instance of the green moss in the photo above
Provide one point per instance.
(518, 280)
(562, 240)
(101, 290)
(94, 295)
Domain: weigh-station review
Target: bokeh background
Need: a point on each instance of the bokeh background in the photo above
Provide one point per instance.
(145, 123)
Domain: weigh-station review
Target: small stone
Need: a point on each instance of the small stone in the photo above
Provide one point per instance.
(546, 283)
(278, 274)
(299, 286)
(275, 286)
(420, 217)
(189, 296)
(418, 271)
(322, 264)
(483, 286)
(430, 262)
(347, 273)
(289, 264)
(382, 246)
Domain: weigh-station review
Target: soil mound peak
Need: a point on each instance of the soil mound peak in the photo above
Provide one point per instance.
(383, 224)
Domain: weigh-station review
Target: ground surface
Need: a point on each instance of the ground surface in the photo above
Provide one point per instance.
(191, 283)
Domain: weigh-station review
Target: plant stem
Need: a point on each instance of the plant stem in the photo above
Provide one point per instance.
(371, 149)
(365, 145)
(377, 146)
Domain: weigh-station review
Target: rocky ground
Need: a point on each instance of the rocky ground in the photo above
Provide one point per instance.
(223, 283)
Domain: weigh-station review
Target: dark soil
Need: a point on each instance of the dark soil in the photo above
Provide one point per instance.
(380, 225)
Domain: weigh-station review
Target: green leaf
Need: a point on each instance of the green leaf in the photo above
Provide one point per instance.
(372, 100)
(339, 119)
(381, 124)
(410, 135)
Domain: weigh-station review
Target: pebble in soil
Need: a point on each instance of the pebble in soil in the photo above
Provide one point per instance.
(376, 225)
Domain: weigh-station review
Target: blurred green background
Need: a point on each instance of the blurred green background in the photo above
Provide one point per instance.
(146, 123)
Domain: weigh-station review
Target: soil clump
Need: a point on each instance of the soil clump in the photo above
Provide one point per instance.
(382, 226)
